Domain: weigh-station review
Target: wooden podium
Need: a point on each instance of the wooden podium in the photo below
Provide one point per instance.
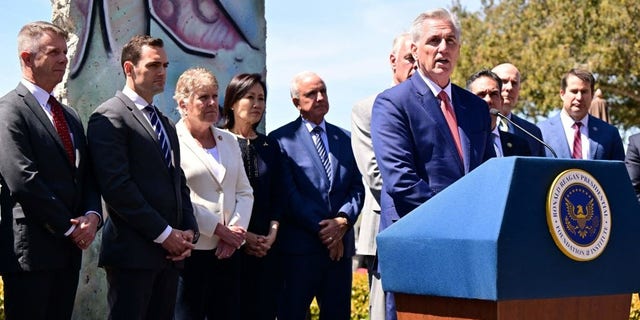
(417, 307)
(486, 247)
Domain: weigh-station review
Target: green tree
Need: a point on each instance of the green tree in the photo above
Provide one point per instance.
(546, 38)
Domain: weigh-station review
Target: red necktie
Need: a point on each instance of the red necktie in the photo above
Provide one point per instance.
(63, 129)
(577, 141)
(450, 116)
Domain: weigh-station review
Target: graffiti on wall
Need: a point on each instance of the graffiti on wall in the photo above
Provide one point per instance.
(225, 36)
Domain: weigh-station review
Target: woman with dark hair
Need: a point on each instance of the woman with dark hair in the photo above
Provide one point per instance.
(243, 109)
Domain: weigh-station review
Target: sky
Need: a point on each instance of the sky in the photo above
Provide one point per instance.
(346, 42)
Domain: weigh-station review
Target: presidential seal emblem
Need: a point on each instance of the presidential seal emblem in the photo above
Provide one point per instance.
(578, 215)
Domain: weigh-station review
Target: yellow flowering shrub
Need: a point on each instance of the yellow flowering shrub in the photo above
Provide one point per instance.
(359, 299)
(1, 300)
(635, 308)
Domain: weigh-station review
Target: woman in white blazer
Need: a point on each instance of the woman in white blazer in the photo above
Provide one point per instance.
(222, 201)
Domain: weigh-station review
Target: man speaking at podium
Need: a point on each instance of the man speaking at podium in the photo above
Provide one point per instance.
(426, 132)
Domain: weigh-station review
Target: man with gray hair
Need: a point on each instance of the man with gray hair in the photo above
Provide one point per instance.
(427, 132)
(49, 204)
(402, 66)
(324, 193)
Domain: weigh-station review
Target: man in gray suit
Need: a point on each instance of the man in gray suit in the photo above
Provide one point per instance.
(151, 225)
(402, 66)
(49, 203)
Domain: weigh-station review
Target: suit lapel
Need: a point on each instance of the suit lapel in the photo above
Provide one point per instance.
(304, 136)
(508, 146)
(138, 115)
(223, 152)
(460, 108)
(141, 118)
(431, 105)
(559, 137)
(33, 105)
(594, 136)
(200, 153)
(334, 150)
(505, 144)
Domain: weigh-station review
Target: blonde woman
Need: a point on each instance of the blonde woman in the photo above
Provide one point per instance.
(222, 198)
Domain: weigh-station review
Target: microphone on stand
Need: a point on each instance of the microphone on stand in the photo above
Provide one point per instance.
(495, 112)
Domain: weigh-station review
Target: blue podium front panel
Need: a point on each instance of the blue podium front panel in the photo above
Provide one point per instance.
(486, 237)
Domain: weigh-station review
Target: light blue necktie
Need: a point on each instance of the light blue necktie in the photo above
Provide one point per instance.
(162, 137)
(322, 151)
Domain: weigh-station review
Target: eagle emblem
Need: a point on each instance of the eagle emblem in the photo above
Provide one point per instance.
(580, 219)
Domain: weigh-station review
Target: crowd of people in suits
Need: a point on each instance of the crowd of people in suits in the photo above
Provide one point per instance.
(208, 222)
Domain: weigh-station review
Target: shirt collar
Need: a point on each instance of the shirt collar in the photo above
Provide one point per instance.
(435, 88)
(310, 125)
(136, 98)
(568, 122)
(40, 94)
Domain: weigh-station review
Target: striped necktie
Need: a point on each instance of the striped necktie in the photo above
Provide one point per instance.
(577, 141)
(322, 151)
(162, 137)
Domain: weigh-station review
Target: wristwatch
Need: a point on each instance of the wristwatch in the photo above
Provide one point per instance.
(196, 236)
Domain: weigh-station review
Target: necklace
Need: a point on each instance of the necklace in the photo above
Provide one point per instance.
(253, 135)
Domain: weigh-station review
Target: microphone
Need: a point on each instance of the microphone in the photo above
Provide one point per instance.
(495, 112)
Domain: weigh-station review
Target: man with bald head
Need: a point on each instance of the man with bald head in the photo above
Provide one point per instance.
(324, 194)
(510, 77)
(402, 66)
(488, 86)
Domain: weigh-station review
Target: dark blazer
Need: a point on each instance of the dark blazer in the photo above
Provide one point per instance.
(416, 153)
(142, 195)
(514, 145)
(39, 188)
(537, 149)
(632, 161)
(310, 198)
(604, 140)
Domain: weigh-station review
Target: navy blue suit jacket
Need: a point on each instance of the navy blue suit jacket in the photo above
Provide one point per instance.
(310, 196)
(537, 149)
(632, 161)
(604, 140)
(514, 145)
(415, 150)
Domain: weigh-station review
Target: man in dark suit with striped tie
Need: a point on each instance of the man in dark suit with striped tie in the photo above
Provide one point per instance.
(136, 154)
(325, 193)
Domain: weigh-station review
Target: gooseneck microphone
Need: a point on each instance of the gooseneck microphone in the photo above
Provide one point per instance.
(495, 112)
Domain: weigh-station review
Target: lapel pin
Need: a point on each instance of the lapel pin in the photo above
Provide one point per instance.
(509, 145)
(220, 138)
